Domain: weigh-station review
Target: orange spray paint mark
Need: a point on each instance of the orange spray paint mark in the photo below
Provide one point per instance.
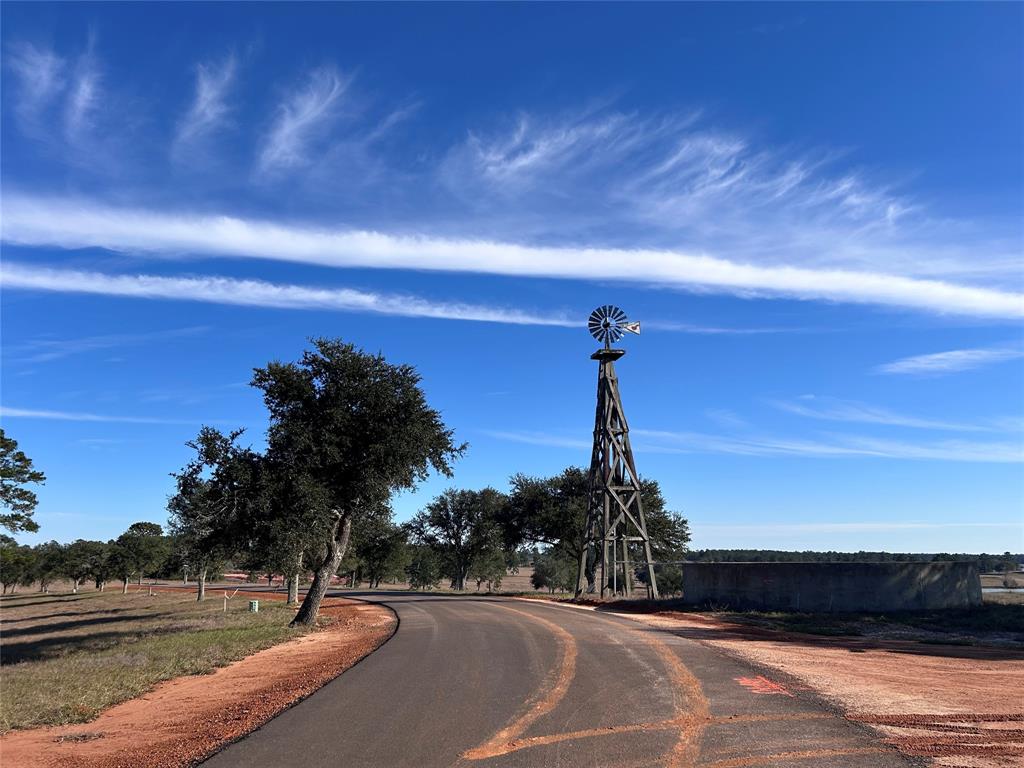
(763, 685)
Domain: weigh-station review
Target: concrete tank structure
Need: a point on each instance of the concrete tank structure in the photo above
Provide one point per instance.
(833, 587)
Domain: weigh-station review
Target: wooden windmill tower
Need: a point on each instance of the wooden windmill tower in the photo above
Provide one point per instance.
(615, 524)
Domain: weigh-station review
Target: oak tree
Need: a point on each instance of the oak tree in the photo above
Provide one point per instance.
(16, 471)
(211, 492)
(462, 527)
(358, 429)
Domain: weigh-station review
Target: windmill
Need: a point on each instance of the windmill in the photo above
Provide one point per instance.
(615, 523)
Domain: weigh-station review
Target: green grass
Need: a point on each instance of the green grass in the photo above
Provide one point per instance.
(66, 658)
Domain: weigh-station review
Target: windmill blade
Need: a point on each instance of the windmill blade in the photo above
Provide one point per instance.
(608, 323)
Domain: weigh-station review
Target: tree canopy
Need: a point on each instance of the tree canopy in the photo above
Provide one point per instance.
(356, 428)
(552, 511)
(16, 471)
(463, 528)
(211, 492)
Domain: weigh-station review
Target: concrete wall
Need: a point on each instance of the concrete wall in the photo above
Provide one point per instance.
(833, 586)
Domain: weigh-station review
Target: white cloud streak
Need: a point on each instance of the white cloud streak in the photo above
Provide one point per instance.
(43, 350)
(837, 446)
(209, 110)
(831, 409)
(834, 446)
(856, 527)
(32, 413)
(301, 116)
(710, 330)
(952, 361)
(35, 221)
(539, 438)
(258, 293)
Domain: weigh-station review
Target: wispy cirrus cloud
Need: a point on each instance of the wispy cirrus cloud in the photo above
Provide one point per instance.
(846, 527)
(33, 413)
(69, 223)
(714, 330)
(723, 417)
(63, 101)
(678, 179)
(832, 409)
(545, 439)
(301, 117)
(41, 350)
(834, 446)
(258, 293)
(83, 95)
(40, 77)
(209, 110)
(535, 149)
(951, 361)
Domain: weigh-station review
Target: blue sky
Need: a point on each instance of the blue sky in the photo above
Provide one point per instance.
(814, 210)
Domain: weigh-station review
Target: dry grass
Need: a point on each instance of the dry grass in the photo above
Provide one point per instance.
(1004, 598)
(997, 622)
(1015, 580)
(67, 657)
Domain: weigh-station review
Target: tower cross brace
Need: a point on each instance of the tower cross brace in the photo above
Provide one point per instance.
(615, 513)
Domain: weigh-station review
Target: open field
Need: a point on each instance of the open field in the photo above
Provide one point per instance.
(1001, 579)
(180, 721)
(997, 622)
(1004, 598)
(67, 657)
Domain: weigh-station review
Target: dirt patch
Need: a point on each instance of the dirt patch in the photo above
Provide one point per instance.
(182, 721)
(958, 705)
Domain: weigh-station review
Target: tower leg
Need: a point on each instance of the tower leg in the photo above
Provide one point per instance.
(651, 578)
(626, 574)
(615, 494)
(602, 591)
(582, 574)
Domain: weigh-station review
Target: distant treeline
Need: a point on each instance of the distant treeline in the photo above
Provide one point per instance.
(986, 563)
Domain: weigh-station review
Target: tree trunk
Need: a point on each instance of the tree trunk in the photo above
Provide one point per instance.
(201, 592)
(140, 578)
(102, 585)
(293, 590)
(74, 588)
(124, 586)
(322, 576)
(184, 575)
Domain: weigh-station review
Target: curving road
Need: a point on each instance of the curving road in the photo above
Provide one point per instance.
(502, 683)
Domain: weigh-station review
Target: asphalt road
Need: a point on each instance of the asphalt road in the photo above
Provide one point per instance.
(500, 683)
